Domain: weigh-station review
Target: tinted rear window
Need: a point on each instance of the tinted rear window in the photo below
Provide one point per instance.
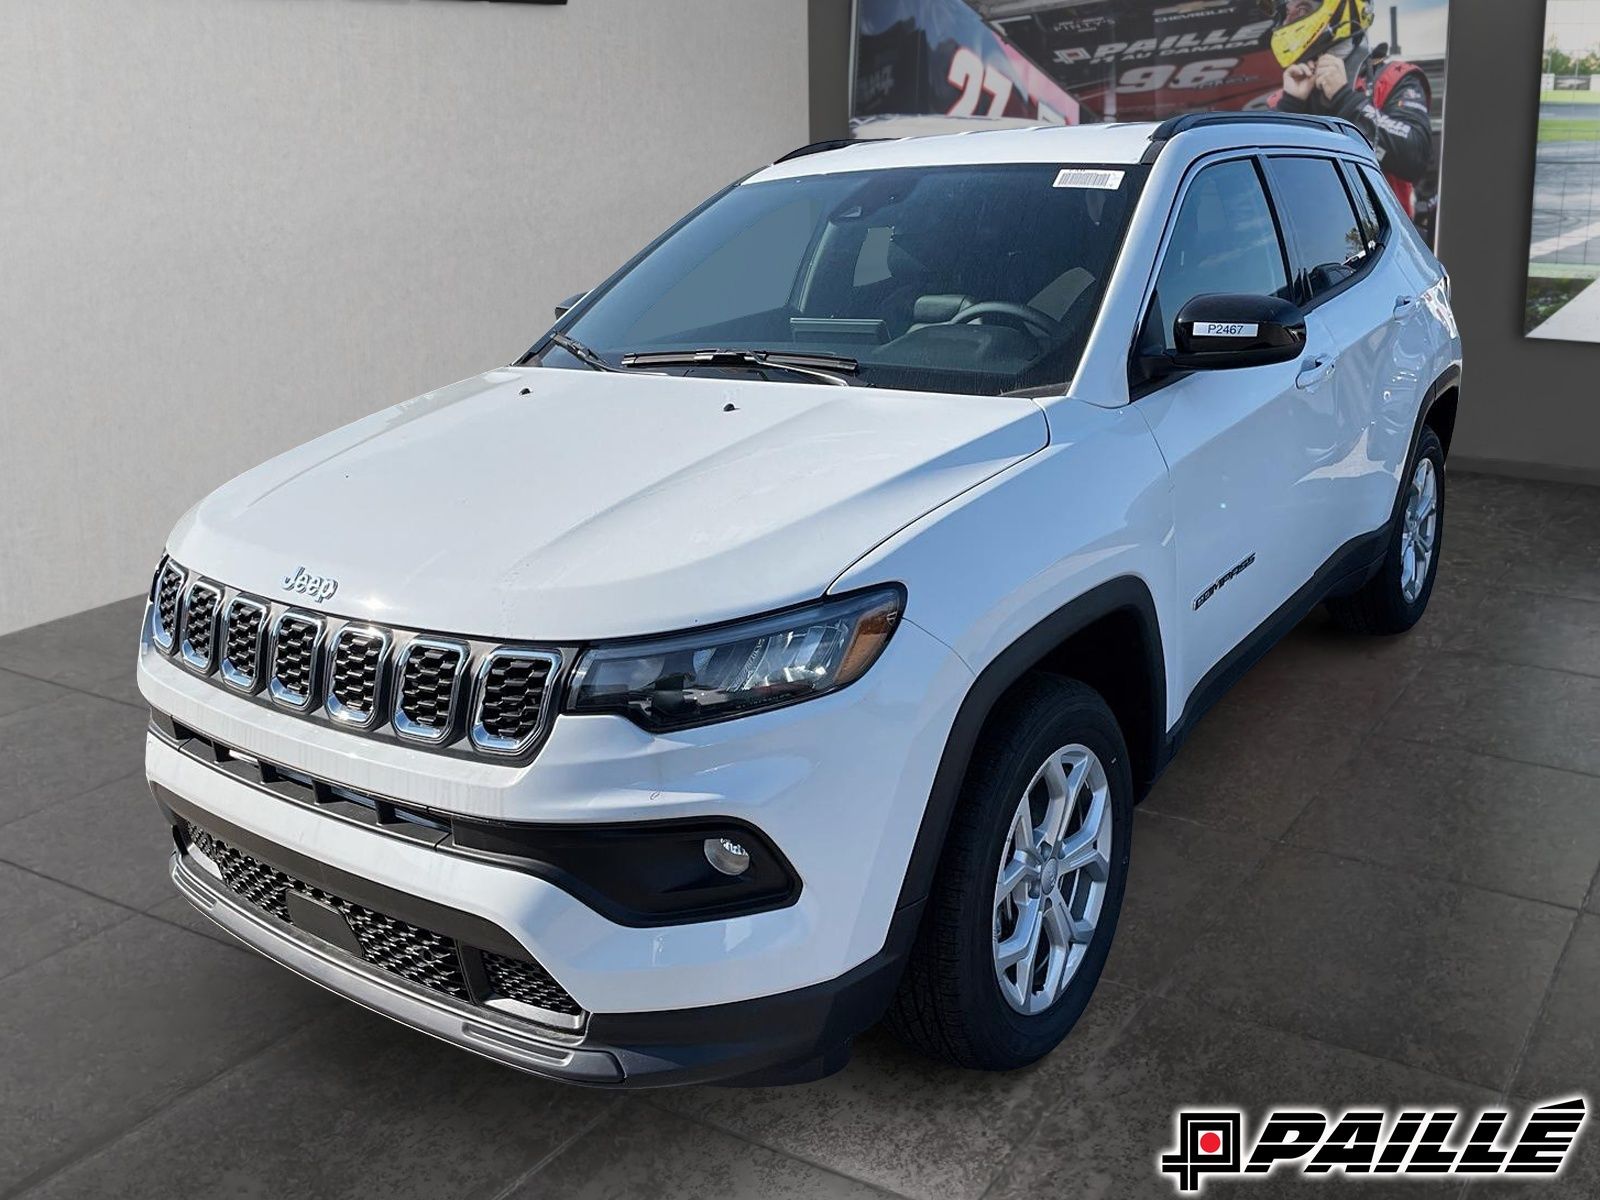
(1328, 240)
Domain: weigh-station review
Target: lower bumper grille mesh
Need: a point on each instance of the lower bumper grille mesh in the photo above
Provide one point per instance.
(419, 955)
(528, 983)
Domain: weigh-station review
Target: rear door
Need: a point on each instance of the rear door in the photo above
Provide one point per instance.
(1356, 298)
(1418, 344)
(1237, 442)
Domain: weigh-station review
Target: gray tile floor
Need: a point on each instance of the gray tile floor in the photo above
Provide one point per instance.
(1371, 877)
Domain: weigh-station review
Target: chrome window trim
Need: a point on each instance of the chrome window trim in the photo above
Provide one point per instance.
(404, 725)
(337, 708)
(204, 665)
(490, 743)
(169, 644)
(231, 675)
(281, 695)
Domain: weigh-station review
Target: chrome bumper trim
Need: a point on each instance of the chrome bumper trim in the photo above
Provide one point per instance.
(481, 1030)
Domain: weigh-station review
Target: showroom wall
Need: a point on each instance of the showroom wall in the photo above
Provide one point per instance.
(233, 224)
(1529, 408)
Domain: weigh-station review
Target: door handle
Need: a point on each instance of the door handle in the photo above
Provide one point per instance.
(1403, 307)
(1314, 370)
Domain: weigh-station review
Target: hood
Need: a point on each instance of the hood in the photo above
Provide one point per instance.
(555, 505)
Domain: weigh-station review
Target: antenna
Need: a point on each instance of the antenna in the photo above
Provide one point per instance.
(1394, 31)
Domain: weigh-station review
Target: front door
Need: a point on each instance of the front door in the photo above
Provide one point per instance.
(1238, 443)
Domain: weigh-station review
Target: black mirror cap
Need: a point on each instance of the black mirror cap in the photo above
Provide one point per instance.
(569, 304)
(1224, 330)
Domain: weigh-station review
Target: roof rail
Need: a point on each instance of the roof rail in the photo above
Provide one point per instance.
(1173, 126)
(828, 144)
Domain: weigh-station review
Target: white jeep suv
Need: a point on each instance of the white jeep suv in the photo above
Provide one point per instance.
(784, 641)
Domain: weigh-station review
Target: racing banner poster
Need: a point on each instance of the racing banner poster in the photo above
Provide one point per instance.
(925, 65)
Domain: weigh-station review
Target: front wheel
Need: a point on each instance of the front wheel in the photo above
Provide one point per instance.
(1394, 599)
(1030, 885)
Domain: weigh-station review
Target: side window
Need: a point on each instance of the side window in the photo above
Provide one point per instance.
(1368, 210)
(1377, 188)
(1223, 240)
(1328, 240)
(873, 264)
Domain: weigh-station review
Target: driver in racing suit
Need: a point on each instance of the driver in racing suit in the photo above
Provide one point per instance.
(1330, 71)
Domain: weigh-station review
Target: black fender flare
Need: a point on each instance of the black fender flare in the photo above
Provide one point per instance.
(1450, 378)
(1123, 594)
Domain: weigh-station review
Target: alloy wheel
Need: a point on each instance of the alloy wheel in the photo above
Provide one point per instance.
(1420, 532)
(1051, 883)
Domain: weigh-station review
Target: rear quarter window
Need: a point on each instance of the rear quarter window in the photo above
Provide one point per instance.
(1369, 209)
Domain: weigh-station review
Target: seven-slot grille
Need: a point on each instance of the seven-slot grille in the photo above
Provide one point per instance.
(245, 626)
(200, 613)
(355, 673)
(422, 956)
(294, 659)
(371, 679)
(430, 678)
(169, 594)
(511, 699)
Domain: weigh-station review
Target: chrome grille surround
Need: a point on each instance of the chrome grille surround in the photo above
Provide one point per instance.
(244, 638)
(428, 688)
(357, 655)
(200, 621)
(296, 643)
(511, 701)
(496, 703)
(165, 603)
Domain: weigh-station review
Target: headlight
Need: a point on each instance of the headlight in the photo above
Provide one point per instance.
(713, 674)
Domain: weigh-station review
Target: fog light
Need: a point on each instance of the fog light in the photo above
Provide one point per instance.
(727, 855)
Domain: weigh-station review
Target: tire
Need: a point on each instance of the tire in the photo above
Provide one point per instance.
(951, 1003)
(1387, 603)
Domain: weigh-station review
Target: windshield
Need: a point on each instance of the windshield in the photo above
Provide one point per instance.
(967, 279)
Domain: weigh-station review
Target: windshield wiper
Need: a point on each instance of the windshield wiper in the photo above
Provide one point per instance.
(829, 368)
(582, 353)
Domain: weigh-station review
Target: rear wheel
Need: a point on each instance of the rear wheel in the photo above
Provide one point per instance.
(1394, 599)
(1022, 914)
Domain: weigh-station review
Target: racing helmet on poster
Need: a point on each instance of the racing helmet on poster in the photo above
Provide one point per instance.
(1305, 29)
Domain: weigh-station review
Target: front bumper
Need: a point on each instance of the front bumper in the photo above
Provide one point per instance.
(789, 1038)
(838, 784)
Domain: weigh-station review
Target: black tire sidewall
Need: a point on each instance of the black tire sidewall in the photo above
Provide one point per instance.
(1429, 447)
(1068, 713)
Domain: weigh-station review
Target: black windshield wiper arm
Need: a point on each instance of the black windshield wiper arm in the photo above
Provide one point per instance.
(582, 353)
(830, 368)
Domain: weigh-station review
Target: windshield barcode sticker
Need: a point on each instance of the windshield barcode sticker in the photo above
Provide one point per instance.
(1105, 181)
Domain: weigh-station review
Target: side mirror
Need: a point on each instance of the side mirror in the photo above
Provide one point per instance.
(1218, 332)
(568, 304)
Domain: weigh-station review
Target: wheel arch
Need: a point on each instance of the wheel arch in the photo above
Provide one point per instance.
(1439, 414)
(1109, 638)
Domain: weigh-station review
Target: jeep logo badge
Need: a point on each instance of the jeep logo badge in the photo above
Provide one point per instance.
(319, 587)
